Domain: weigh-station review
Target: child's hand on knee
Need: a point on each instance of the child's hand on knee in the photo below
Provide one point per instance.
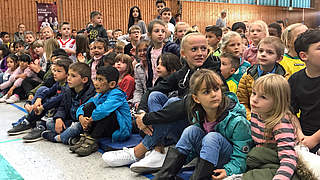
(219, 174)
(87, 122)
(37, 103)
(30, 97)
(59, 126)
(38, 110)
(84, 121)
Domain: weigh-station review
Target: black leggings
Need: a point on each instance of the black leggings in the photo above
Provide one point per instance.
(27, 85)
(315, 149)
(102, 128)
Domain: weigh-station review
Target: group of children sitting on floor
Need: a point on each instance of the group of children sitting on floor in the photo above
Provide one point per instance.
(210, 96)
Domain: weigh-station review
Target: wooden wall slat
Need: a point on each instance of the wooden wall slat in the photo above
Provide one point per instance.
(116, 12)
(196, 13)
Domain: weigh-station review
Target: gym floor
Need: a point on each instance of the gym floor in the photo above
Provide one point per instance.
(46, 160)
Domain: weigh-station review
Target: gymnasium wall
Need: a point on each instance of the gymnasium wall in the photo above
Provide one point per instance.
(206, 13)
(115, 12)
(77, 12)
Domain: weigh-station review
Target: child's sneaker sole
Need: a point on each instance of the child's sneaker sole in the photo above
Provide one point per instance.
(20, 132)
(32, 140)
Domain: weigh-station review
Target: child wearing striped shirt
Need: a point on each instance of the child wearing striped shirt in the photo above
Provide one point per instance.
(271, 121)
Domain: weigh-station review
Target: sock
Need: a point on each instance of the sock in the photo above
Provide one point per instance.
(131, 151)
(56, 138)
(27, 122)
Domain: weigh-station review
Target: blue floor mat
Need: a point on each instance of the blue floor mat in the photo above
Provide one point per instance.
(106, 144)
(184, 175)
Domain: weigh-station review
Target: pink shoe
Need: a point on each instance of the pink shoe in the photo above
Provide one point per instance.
(4, 98)
(13, 99)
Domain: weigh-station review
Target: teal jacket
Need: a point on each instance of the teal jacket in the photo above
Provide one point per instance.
(235, 128)
(112, 101)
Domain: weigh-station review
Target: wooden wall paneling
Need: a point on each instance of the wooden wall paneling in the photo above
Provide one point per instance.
(238, 12)
(83, 21)
(122, 15)
(2, 13)
(76, 8)
(116, 12)
(80, 22)
(20, 18)
(9, 8)
(112, 26)
(108, 13)
(6, 11)
(13, 7)
(69, 12)
(105, 8)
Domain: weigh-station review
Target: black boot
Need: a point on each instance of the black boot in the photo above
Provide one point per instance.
(171, 166)
(203, 171)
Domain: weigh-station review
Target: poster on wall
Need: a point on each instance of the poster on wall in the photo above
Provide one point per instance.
(47, 16)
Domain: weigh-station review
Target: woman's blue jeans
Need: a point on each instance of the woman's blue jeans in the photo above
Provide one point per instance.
(157, 101)
(166, 133)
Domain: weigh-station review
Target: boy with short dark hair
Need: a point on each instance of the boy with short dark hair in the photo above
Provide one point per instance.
(239, 27)
(18, 46)
(305, 89)
(107, 114)
(135, 35)
(282, 24)
(116, 33)
(214, 35)
(99, 48)
(5, 37)
(73, 33)
(66, 43)
(160, 4)
(46, 76)
(96, 29)
(20, 34)
(229, 65)
(29, 38)
(108, 60)
(275, 30)
(46, 102)
(165, 16)
(64, 126)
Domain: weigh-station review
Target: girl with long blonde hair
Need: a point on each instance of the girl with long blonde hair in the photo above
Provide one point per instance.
(271, 121)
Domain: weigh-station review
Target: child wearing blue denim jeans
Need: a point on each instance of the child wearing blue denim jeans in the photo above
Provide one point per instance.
(221, 137)
(47, 100)
(64, 127)
(47, 82)
(107, 114)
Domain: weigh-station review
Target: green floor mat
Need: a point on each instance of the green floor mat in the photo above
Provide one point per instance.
(7, 171)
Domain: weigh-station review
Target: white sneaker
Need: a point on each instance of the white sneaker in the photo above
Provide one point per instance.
(150, 163)
(4, 98)
(13, 99)
(120, 157)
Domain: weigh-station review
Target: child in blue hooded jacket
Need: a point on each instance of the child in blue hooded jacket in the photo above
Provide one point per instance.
(107, 114)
